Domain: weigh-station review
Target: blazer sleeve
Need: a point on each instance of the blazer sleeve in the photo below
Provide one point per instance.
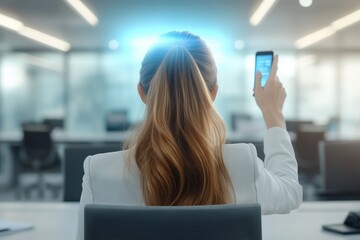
(86, 198)
(277, 186)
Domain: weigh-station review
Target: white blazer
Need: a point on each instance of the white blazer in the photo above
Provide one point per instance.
(272, 183)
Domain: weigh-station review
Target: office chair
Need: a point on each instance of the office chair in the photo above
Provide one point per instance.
(259, 149)
(306, 149)
(38, 153)
(339, 168)
(296, 125)
(216, 222)
(74, 171)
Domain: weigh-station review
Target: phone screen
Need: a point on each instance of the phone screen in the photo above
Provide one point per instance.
(263, 63)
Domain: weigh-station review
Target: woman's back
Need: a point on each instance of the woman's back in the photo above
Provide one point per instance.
(122, 180)
(178, 155)
(109, 179)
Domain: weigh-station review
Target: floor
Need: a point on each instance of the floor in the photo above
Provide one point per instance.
(11, 193)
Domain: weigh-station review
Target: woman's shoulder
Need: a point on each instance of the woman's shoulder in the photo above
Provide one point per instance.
(234, 148)
(239, 153)
(108, 156)
(107, 160)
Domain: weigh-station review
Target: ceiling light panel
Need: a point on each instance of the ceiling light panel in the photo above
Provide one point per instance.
(10, 23)
(84, 11)
(347, 20)
(314, 37)
(45, 38)
(261, 11)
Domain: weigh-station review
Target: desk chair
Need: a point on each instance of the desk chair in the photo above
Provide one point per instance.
(306, 149)
(74, 160)
(340, 170)
(216, 222)
(259, 149)
(295, 125)
(38, 153)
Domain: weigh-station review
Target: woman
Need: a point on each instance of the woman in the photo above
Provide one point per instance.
(178, 155)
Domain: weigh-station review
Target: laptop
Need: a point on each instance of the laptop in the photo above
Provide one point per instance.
(215, 222)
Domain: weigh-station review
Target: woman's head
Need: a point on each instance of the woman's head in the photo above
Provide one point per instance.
(196, 47)
(178, 147)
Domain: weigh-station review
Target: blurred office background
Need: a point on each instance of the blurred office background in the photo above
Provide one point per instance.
(62, 99)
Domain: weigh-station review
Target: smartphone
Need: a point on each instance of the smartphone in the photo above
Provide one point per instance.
(263, 63)
(341, 229)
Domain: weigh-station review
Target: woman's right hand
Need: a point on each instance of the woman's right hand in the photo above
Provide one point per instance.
(271, 98)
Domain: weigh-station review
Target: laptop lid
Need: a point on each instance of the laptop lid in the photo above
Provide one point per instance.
(225, 222)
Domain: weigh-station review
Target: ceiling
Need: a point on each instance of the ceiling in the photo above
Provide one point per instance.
(227, 20)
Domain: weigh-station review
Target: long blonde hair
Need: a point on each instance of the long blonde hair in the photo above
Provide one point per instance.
(178, 147)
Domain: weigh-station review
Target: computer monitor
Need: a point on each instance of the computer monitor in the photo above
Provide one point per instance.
(225, 222)
(54, 122)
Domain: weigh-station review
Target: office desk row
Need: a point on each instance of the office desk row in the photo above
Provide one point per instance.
(58, 221)
(60, 136)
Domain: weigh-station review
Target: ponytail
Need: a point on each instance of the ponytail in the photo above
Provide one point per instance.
(178, 149)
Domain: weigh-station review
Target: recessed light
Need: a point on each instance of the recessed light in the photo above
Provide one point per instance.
(305, 3)
(114, 44)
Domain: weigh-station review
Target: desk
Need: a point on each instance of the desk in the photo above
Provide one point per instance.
(306, 222)
(55, 221)
(63, 137)
(58, 221)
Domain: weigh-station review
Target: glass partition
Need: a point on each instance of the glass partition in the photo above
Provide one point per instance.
(32, 88)
(84, 87)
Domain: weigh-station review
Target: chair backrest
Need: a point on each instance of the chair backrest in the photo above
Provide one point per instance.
(295, 125)
(307, 140)
(37, 141)
(225, 222)
(339, 167)
(74, 159)
(259, 149)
